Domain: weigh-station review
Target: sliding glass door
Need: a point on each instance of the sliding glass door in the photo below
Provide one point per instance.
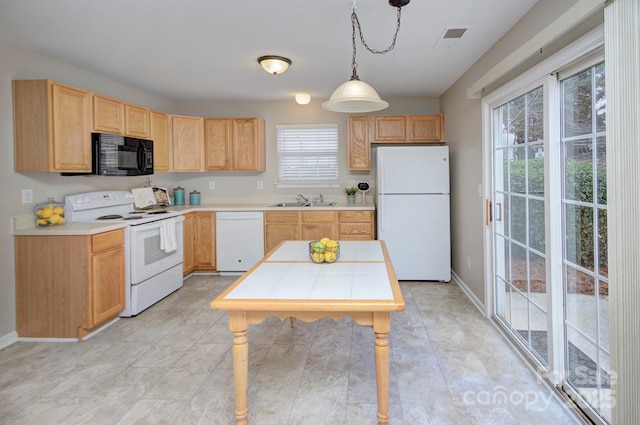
(549, 230)
(519, 219)
(584, 204)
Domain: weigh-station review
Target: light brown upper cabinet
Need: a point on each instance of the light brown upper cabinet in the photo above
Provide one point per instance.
(136, 121)
(187, 142)
(359, 152)
(159, 133)
(108, 115)
(389, 128)
(117, 117)
(52, 127)
(234, 144)
(425, 128)
(408, 128)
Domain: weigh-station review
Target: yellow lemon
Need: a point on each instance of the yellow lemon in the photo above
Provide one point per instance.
(42, 222)
(39, 213)
(330, 257)
(331, 246)
(58, 210)
(317, 257)
(46, 212)
(61, 220)
(325, 240)
(54, 219)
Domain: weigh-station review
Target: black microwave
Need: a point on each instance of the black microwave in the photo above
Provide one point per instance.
(115, 155)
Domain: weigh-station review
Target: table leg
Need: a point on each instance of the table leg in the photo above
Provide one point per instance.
(381, 327)
(240, 349)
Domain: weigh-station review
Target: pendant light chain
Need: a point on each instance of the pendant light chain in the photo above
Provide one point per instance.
(355, 21)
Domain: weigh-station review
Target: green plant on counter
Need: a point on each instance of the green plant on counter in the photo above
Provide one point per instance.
(350, 190)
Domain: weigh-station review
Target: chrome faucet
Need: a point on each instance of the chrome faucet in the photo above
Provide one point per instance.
(300, 198)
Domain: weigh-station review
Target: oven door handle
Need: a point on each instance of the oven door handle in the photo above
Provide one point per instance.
(154, 224)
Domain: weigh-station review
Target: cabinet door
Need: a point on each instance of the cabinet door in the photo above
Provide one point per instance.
(248, 144)
(217, 144)
(108, 115)
(188, 244)
(390, 128)
(280, 226)
(359, 145)
(278, 232)
(107, 285)
(187, 135)
(159, 133)
(205, 239)
(319, 224)
(355, 225)
(136, 121)
(426, 128)
(71, 129)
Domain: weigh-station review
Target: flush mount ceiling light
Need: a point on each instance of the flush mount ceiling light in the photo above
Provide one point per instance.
(303, 98)
(274, 64)
(355, 96)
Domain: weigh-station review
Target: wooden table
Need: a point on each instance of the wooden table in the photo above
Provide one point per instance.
(286, 284)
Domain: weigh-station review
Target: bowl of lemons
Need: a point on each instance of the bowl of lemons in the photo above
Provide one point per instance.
(324, 250)
(49, 213)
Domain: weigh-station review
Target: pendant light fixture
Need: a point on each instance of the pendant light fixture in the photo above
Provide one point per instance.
(356, 96)
(274, 64)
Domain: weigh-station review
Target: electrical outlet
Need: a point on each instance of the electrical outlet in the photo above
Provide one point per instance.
(27, 196)
(260, 185)
(212, 185)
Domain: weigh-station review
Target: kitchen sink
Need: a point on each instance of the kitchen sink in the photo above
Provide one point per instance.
(303, 204)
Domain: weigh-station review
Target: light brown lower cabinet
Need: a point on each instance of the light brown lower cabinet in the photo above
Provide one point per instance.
(310, 225)
(188, 259)
(68, 286)
(355, 225)
(199, 237)
(319, 224)
(280, 226)
(204, 235)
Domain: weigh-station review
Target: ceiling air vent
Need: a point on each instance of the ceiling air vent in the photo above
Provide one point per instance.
(449, 38)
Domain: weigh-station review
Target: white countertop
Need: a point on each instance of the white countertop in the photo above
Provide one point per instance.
(25, 225)
(289, 274)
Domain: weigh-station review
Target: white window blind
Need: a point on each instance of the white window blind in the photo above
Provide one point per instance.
(308, 154)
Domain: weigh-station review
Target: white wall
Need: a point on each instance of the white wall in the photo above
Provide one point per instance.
(463, 125)
(16, 63)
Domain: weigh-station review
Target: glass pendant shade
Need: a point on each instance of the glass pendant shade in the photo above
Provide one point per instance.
(355, 96)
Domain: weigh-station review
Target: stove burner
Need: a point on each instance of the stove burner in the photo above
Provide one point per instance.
(109, 217)
(133, 217)
(158, 212)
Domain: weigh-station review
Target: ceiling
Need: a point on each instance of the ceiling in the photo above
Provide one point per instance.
(207, 50)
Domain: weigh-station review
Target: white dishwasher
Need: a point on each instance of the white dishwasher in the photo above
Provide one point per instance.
(239, 240)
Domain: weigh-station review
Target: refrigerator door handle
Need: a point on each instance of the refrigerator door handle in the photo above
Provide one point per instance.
(381, 175)
(381, 209)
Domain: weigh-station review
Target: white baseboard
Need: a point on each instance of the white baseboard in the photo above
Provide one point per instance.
(468, 292)
(8, 339)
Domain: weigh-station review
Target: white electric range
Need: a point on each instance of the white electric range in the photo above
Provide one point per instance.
(153, 244)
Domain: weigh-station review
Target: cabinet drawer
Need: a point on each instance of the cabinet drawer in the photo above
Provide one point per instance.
(107, 240)
(356, 229)
(356, 216)
(319, 217)
(281, 217)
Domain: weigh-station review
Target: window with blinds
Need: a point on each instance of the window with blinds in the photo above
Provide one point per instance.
(308, 154)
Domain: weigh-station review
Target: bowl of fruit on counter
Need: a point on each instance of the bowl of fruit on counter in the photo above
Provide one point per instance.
(324, 250)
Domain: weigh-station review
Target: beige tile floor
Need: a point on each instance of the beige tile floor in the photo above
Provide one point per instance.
(172, 365)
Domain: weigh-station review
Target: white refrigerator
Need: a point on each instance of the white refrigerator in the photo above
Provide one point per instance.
(412, 188)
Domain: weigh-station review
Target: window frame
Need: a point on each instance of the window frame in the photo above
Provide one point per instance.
(333, 181)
